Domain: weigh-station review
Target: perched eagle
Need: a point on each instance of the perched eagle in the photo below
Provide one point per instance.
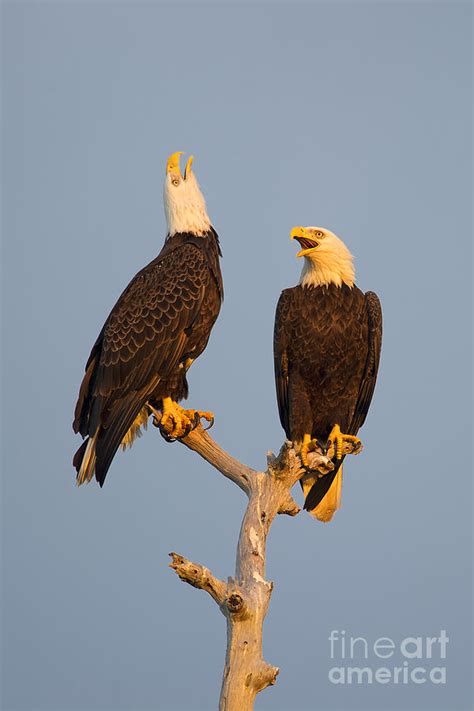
(158, 327)
(327, 342)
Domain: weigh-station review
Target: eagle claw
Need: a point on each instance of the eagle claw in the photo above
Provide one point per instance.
(165, 435)
(309, 445)
(175, 422)
(340, 444)
(211, 421)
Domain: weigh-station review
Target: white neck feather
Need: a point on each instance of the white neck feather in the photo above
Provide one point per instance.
(185, 207)
(330, 263)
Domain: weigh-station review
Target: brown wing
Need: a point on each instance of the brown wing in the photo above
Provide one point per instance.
(142, 341)
(366, 391)
(280, 356)
(367, 385)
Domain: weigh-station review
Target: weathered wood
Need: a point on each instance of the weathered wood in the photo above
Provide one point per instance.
(244, 599)
(201, 442)
(199, 577)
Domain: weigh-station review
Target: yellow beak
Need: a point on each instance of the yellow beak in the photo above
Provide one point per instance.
(187, 170)
(172, 164)
(299, 233)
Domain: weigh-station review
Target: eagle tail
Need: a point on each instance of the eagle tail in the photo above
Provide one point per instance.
(323, 495)
(85, 460)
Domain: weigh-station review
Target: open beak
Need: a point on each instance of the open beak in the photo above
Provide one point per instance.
(307, 243)
(172, 165)
(187, 170)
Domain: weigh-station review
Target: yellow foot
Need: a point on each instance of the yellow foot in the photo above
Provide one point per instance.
(176, 422)
(308, 445)
(201, 414)
(339, 443)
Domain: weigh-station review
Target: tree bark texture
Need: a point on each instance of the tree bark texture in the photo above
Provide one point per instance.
(245, 597)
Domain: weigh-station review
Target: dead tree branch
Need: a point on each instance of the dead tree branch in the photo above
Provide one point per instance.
(244, 599)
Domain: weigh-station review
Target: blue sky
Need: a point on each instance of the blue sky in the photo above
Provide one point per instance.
(354, 116)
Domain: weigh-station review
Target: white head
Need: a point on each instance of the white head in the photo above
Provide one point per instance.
(326, 258)
(185, 207)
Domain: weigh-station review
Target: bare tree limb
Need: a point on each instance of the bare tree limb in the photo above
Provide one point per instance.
(244, 599)
(199, 577)
(201, 442)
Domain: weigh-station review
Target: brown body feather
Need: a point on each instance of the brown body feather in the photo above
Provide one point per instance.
(163, 318)
(327, 348)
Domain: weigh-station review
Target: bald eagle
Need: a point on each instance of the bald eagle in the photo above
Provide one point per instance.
(160, 324)
(327, 342)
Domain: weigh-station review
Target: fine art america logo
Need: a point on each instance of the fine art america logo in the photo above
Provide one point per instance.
(412, 660)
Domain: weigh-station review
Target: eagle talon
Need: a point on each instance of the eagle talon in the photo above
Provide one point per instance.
(321, 446)
(309, 445)
(211, 421)
(166, 436)
(341, 444)
(156, 415)
(176, 422)
(192, 424)
(198, 415)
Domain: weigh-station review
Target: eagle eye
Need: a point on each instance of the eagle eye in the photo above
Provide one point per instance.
(175, 181)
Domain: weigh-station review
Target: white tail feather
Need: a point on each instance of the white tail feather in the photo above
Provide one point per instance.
(331, 502)
(86, 472)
